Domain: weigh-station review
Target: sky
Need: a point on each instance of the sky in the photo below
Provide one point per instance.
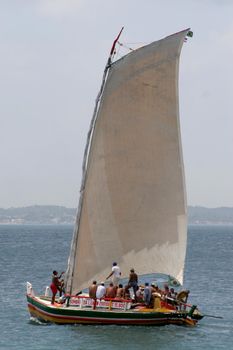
(52, 56)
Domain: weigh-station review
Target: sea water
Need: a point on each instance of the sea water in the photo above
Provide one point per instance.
(30, 253)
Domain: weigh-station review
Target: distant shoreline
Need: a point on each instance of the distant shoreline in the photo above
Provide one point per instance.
(59, 225)
(72, 225)
(58, 215)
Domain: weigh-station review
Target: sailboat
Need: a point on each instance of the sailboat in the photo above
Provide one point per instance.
(132, 206)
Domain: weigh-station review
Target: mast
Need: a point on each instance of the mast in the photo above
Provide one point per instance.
(69, 272)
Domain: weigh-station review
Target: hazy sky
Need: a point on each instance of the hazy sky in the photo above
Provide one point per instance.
(52, 56)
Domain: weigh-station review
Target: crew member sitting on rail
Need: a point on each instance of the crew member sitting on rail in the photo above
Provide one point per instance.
(111, 291)
(101, 291)
(92, 290)
(127, 293)
(139, 294)
(173, 293)
(120, 292)
(166, 292)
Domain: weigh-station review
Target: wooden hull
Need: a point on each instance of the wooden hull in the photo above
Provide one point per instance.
(60, 314)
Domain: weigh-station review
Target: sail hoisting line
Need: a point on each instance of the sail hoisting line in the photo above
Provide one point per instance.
(69, 272)
(127, 47)
(121, 45)
(117, 51)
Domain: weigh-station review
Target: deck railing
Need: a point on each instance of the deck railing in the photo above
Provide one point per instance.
(107, 303)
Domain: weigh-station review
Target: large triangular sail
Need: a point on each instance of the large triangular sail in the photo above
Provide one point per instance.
(133, 204)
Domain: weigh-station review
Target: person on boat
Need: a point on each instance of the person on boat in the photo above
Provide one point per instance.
(133, 282)
(156, 296)
(147, 294)
(155, 290)
(115, 274)
(166, 292)
(127, 293)
(173, 293)
(182, 298)
(171, 299)
(139, 294)
(101, 291)
(92, 290)
(111, 291)
(62, 288)
(120, 292)
(55, 285)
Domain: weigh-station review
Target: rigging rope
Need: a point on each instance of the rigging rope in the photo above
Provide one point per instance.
(127, 47)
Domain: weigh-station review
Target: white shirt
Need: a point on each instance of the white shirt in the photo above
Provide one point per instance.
(100, 292)
(116, 271)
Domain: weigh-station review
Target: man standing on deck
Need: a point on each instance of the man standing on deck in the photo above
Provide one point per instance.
(133, 282)
(116, 274)
(147, 294)
(55, 285)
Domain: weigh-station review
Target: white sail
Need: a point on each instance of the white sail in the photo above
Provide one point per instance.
(133, 206)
